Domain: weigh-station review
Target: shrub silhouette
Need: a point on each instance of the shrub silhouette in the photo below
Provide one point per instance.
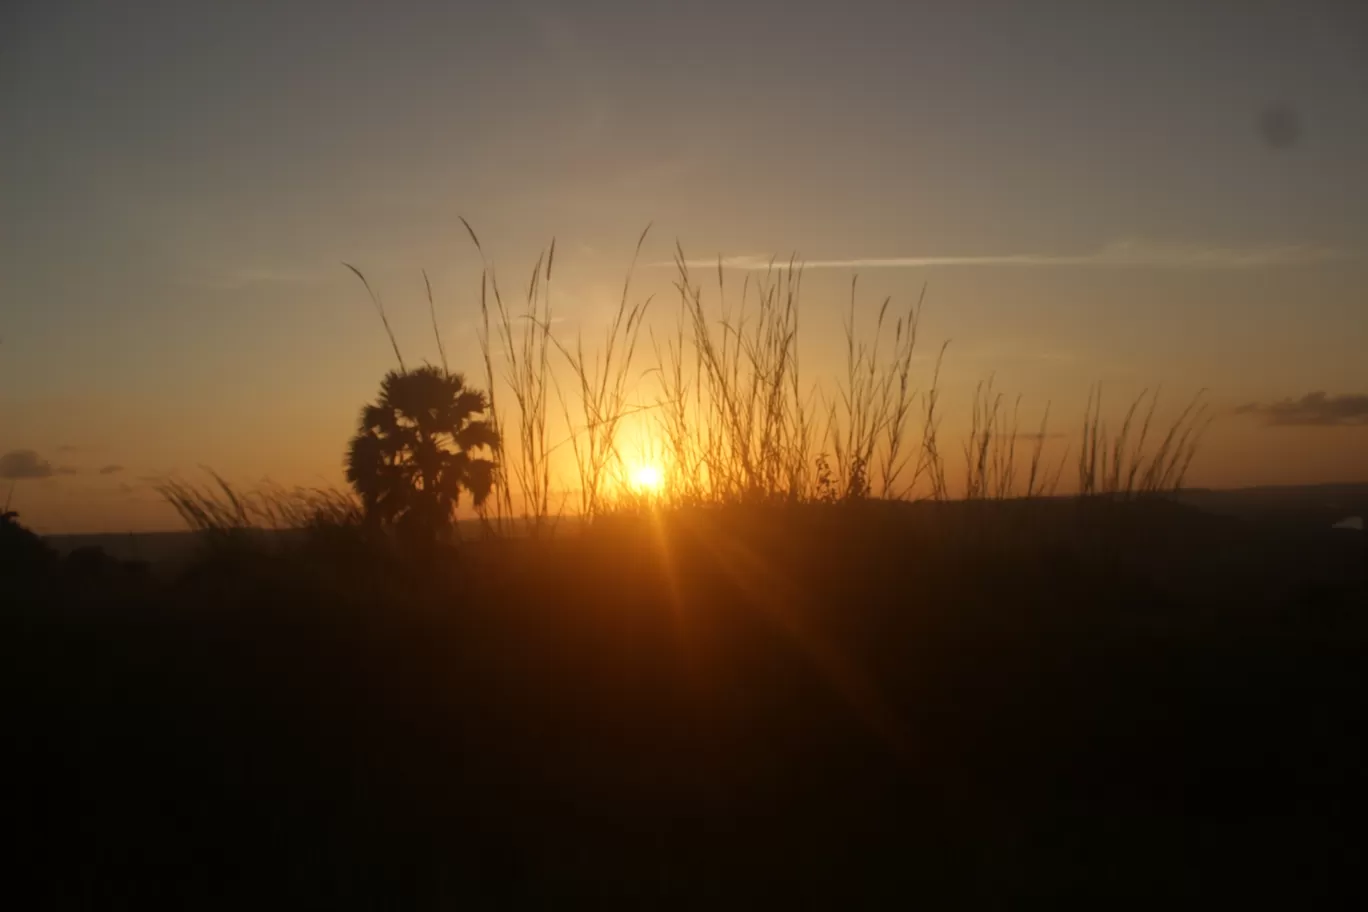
(414, 451)
(23, 553)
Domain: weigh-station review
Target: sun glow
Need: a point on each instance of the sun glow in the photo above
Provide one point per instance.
(647, 479)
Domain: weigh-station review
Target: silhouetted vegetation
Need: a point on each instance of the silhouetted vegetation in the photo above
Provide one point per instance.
(802, 674)
(413, 452)
(23, 553)
(826, 703)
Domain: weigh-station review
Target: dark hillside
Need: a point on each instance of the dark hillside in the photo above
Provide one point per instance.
(817, 704)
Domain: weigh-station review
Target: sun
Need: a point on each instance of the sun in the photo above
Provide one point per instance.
(647, 479)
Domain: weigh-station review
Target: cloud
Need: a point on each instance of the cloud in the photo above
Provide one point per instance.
(111, 469)
(21, 464)
(1123, 254)
(1313, 409)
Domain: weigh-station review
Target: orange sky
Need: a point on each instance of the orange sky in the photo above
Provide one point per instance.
(1169, 194)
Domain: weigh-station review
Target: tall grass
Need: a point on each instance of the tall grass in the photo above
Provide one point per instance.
(1120, 466)
(991, 465)
(930, 463)
(739, 427)
(593, 399)
(601, 384)
(227, 515)
(867, 424)
(524, 340)
(735, 419)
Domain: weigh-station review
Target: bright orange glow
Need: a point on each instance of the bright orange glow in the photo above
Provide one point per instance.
(647, 479)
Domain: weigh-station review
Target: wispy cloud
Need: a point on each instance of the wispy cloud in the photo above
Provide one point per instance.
(111, 469)
(1123, 254)
(17, 465)
(1314, 409)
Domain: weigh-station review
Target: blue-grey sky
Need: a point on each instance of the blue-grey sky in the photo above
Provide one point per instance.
(1087, 188)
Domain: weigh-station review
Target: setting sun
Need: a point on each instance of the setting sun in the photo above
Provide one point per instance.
(647, 479)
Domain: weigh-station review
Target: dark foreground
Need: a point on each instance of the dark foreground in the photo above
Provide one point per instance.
(826, 708)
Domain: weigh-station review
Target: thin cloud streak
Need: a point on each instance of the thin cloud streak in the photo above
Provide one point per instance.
(1315, 409)
(1126, 254)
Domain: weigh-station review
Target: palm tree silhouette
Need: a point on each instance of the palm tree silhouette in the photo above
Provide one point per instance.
(413, 450)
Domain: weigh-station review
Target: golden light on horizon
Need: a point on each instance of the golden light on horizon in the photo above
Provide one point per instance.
(647, 479)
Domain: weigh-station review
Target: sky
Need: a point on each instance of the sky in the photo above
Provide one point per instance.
(1140, 194)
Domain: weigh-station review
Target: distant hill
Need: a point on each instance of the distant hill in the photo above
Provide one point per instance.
(169, 549)
(1303, 506)
(1323, 504)
(160, 548)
